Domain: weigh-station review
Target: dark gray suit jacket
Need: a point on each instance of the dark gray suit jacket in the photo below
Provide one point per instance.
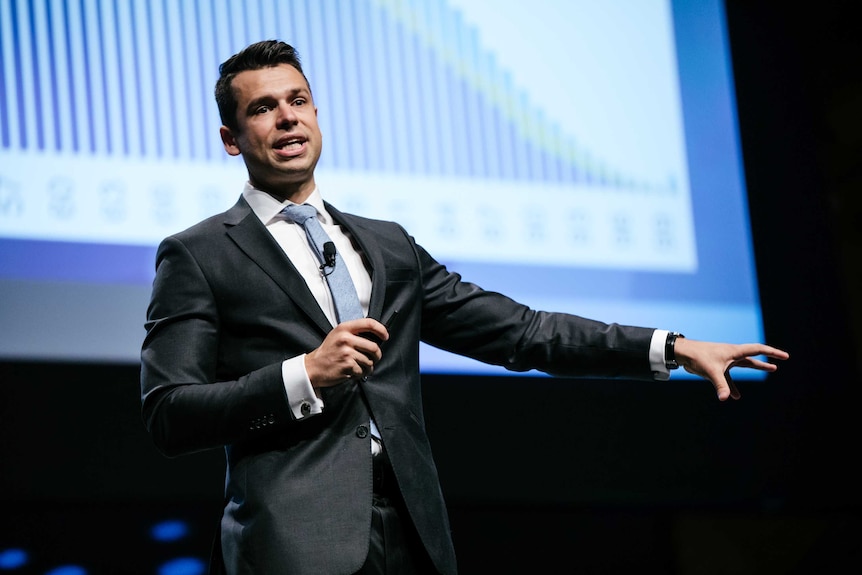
(228, 307)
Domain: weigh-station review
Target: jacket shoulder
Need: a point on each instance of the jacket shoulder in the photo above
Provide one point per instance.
(215, 224)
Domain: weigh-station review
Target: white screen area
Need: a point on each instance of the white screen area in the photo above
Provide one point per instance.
(579, 156)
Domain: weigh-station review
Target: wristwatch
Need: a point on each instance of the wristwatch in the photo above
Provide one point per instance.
(670, 361)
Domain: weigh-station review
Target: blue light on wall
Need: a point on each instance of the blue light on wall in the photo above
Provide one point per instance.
(13, 559)
(182, 566)
(169, 530)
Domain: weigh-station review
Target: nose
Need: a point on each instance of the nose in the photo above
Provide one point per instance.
(286, 114)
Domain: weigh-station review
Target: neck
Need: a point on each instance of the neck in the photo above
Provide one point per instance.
(296, 193)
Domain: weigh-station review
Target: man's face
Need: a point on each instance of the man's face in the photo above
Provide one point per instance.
(278, 135)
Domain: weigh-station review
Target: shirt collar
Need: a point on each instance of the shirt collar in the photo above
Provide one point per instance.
(267, 208)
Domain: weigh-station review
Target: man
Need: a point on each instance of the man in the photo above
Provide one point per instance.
(329, 466)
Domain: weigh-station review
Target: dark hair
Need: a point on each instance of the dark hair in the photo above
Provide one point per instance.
(265, 54)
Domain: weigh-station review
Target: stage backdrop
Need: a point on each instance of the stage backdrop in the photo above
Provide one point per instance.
(580, 156)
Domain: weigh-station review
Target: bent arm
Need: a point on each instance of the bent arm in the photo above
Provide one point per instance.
(187, 405)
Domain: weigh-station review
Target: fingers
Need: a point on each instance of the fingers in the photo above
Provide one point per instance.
(725, 387)
(346, 352)
(750, 350)
(361, 369)
(368, 328)
(729, 388)
(713, 361)
(754, 363)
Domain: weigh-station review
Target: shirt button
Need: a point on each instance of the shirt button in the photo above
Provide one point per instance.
(305, 408)
(362, 432)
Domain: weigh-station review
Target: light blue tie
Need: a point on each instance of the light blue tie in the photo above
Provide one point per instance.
(343, 291)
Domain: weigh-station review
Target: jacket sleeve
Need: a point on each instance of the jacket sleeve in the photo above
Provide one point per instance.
(462, 318)
(184, 407)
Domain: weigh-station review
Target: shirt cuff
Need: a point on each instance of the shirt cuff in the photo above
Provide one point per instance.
(656, 355)
(300, 394)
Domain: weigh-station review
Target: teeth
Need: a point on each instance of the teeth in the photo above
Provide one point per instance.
(291, 144)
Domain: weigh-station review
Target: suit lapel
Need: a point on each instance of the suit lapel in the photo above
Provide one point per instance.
(252, 237)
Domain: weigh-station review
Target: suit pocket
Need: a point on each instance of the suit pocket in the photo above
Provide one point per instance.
(401, 275)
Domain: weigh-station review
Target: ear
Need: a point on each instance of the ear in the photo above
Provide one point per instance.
(229, 141)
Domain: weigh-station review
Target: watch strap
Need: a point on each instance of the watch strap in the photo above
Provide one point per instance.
(670, 350)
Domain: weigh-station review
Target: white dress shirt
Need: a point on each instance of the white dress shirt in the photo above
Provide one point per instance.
(294, 241)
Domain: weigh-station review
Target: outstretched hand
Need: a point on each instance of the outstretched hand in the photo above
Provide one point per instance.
(713, 361)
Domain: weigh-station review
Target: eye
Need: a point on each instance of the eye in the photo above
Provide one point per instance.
(299, 102)
(263, 109)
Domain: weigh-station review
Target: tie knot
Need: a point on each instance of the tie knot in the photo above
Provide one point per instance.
(299, 213)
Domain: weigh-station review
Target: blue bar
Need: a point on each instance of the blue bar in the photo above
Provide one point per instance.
(337, 92)
(220, 51)
(37, 83)
(224, 10)
(457, 98)
(503, 135)
(240, 20)
(254, 21)
(202, 64)
(535, 119)
(100, 37)
(355, 105)
(503, 118)
(121, 58)
(314, 52)
(488, 105)
(190, 39)
(517, 120)
(414, 126)
(553, 155)
(154, 78)
(169, 108)
(88, 79)
(4, 105)
(136, 59)
(73, 97)
(301, 40)
(427, 117)
(19, 79)
(473, 95)
(392, 31)
(285, 22)
(382, 92)
(364, 98)
(52, 59)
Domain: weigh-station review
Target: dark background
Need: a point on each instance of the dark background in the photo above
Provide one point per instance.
(551, 475)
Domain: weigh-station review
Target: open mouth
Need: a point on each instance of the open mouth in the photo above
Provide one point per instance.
(290, 144)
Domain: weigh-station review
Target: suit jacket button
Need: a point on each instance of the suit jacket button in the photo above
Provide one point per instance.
(362, 432)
